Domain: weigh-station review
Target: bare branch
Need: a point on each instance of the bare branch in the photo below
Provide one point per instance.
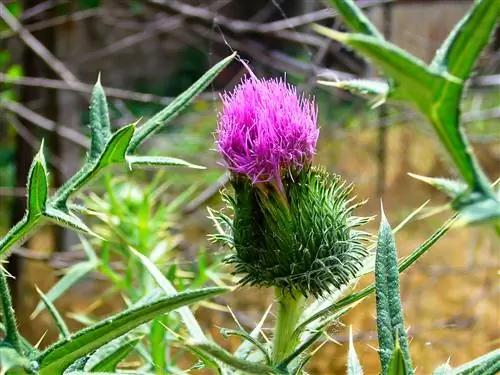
(44, 123)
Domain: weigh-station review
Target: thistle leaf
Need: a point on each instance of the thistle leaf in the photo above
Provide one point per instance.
(462, 48)
(488, 364)
(355, 18)
(109, 356)
(37, 186)
(100, 127)
(60, 355)
(156, 161)
(117, 146)
(397, 363)
(174, 108)
(371, 88)
(452, 188)
(414, 82)
(68, 220)
(213, 350)
(390, 322)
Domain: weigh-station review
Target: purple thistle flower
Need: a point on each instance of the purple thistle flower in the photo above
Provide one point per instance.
(265, 128)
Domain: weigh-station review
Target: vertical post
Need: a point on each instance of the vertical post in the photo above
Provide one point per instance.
(383, 112)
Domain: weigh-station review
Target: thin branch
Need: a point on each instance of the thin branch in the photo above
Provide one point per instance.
(37, 47)
(56, 21)
(44, 123)
(239, 26)
(87, 89)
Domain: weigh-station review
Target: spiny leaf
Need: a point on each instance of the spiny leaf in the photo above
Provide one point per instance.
(452, 188)
(12, 336)
(397, 363)
(372, 88)
(68, 220)
(59, 356)
(117, 146)
(37, 186)
(354, 18)
(109, 356)
(462, 48)
(490, 360)
(215, 351)
(100, 127)
(390, 322)
(155, 161)
(174, 108)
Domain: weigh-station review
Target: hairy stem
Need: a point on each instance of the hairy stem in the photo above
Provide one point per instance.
(290, 308)
(9, 317)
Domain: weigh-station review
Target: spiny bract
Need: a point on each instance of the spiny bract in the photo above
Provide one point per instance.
(304, 241)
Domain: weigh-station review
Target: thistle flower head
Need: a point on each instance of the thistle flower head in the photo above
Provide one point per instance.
(311, 244)
(266, 128)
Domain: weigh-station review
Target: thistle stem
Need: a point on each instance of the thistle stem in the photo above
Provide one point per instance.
(9, 317)
(290, 308)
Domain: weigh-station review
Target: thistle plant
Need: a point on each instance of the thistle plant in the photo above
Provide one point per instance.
(293, 227)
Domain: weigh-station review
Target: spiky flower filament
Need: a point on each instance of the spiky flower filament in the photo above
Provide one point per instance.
(265, 129)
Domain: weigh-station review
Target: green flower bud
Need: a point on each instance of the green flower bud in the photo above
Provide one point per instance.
(299, 238)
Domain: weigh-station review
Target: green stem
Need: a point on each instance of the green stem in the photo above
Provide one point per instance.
(9, 317)
(290, 308)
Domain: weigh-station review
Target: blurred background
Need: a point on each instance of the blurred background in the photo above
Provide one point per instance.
(147, 52)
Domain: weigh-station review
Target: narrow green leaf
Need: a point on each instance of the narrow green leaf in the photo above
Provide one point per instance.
(490, 360)
(10, 361)
(390, 319)
(353, 365)
(187, 316)
(37, 186)
(462, 48)
(452, 188)
(379, 90)
(397, 363)
(174, 108)
(68, 220)
(58, 320)
(56, 358)
(302, 363)
(158, 345)
(158, 161)
(215, 351)
(116, 148)
(355, 18)
(476, 208)
(109, 356)
(72, 276)
(245, 336)
(100, 127)
(414, 82)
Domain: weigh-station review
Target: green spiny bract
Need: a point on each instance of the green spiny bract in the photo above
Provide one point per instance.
(302, 239)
